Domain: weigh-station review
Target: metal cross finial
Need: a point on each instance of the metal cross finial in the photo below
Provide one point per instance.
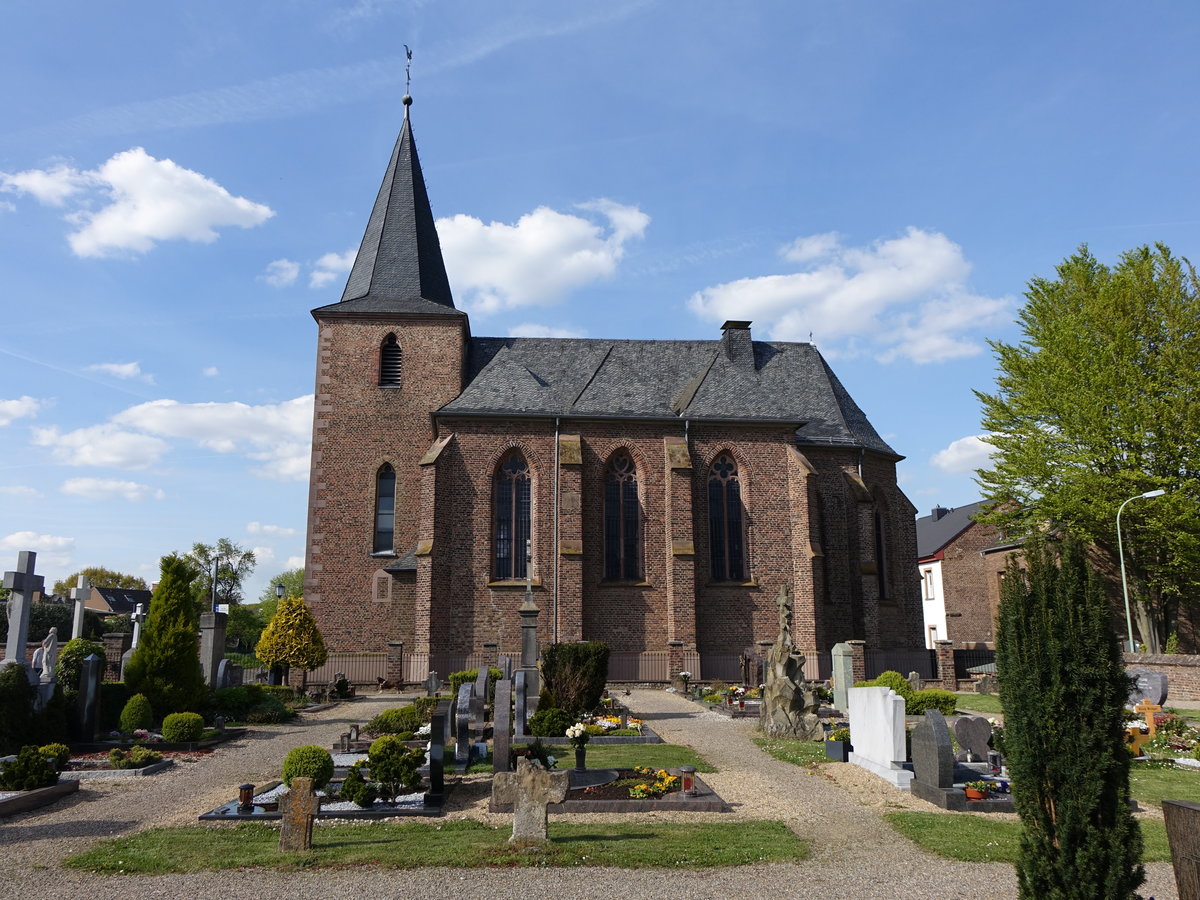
(407, 69)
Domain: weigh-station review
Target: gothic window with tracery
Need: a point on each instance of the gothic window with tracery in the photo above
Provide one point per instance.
(726, 522)
(511, 516)
(622, 520)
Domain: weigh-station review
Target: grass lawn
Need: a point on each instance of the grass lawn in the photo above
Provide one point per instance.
(626, 756)
(979, 839)
(800, 753)
(463, 844)
(1152, 782)
(989, 704)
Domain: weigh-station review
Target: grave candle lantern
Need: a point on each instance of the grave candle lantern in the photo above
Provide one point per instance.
(688, 774)
(246, 797)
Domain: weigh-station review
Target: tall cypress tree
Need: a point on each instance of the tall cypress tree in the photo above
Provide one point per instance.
(1063, 688)
(166, 665)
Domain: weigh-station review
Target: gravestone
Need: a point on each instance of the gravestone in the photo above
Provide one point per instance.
(212, 644)
(433, 684)
(23, 584)
(932, 752)
(479, 700)
(842, 676)
(125, 657)
(877, 724)
(501, 725)
(530, 790)
(1183, 834)
(1148, 685)
(520, 701)
(79, 594)
(914, 680)
(299, 807)
(91, 674)
(506, 667)
(973, 734)
(462, 723)
(223, 680)
(987, 683)
(437, 754)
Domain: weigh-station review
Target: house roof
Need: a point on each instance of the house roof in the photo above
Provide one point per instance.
(123, 600)
(942, 526)
(751, 381)
(399, 266)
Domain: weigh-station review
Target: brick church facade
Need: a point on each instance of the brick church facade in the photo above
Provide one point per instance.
(667, 489)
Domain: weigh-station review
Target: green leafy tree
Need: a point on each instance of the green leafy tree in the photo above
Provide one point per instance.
(166, 664)
(1063, 688)
(293, 586)
(292, 638)
(98, 576)
(233, 563)
(1100, 402)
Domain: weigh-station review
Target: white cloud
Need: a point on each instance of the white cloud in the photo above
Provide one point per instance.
(273, 530)
(905, 297)
(110, 488)
(263, 555)
(22, 407)
(20, 490)
(540, 259)
(101, 445)
(52, 550)
(532, 329)
(964, 455)
(211, 372)
(330, 266)
(281, 273)
(121, 370)
(143, 200)
(276, 434)
(294, 562)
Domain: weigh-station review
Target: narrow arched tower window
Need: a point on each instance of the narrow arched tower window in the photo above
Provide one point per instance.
(622, 520)
(881, 557)
(385, 510)
(726, 530)
(391, 362)
(511, 513)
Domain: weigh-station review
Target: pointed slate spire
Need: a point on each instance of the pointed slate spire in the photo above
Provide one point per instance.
(399, 266)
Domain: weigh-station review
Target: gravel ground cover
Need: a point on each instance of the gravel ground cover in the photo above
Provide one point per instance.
(835, 807)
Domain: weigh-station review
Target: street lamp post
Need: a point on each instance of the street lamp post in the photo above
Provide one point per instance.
(1121, 553)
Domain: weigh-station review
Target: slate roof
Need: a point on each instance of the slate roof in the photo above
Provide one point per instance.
(658, 379)
(123, 600)
(399, 267)
(935, 533)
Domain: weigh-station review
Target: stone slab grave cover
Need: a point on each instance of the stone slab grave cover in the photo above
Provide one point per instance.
(877, 723)
(530, 790)
(1148, 685)
(299, 807)
(1183, 834)
(972, 734)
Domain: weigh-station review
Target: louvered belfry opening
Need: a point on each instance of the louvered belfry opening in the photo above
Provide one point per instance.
(391, 362)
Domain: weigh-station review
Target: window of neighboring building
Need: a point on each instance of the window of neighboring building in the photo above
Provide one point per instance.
(622, 520)
(385, 510)
(391, 360)
(511, 516)
(726, 532)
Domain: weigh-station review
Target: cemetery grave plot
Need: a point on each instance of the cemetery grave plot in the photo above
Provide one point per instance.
(13, 802)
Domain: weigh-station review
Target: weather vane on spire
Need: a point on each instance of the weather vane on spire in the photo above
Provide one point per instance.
(407, 69)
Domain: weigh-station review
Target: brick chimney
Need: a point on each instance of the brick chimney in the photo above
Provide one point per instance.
(737, 343)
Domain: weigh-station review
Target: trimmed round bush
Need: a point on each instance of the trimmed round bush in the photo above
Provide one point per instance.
(182, 728)
(552, 722)
(931, 698)
(61, 754)
(309, 761)
(137, 714)
(396, 721)
(893, 680)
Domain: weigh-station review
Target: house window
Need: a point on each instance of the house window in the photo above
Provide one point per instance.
(385, 510)
(622, 520)
(391, 360)
(726, 533)
(511, 516)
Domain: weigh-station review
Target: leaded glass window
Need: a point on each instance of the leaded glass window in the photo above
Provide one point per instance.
(726, 529)
(622, 520)
(511, 516)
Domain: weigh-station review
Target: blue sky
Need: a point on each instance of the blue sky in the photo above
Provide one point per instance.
(181, 183)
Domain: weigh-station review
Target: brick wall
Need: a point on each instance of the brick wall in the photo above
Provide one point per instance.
(1183, 672)
(971, 586)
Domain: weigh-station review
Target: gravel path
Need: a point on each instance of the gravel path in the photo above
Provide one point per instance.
(855, 855)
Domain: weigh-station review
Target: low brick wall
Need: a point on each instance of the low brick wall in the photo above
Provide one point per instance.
(1183, 672)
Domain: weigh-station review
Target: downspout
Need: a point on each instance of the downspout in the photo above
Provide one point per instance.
(554, 540)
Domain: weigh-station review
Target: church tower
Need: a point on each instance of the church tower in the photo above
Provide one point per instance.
(389, 354)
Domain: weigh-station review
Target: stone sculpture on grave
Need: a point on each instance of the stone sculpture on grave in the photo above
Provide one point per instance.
(530, 790)
(49, 655)
(789, 709)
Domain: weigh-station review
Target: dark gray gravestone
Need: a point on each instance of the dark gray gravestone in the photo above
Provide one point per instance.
(1148, 685)
(973, 734)
(462, 723)
(506, 667)
(87, 721)
(437, 754)
(520, 699)
(1183, 834)
(501, 725)
(932, 753)
(479, 701)
(433, 684)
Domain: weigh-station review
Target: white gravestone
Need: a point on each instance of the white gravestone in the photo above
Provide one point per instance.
(80, 594)
(877, 733)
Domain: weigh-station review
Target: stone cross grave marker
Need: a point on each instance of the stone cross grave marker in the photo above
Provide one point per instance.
(1148, 709)
(433, 684)
(1183, 834)
(973, 734)
(80, 594)
(24, 584)
(530, 790)
(299, 807)
(501, 725)
(932, 753)
(138, 617)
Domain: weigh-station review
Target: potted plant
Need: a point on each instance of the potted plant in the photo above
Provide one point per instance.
(978, 790)
(837, 744)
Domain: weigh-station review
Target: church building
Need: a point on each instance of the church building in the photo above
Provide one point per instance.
(666, 489)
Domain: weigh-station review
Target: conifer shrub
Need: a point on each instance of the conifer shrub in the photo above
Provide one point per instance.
(60, 752)
(29, 771)
(16, 709)
(401, 719)
(269, 710)
(309, 761)
(183, 728)
(356, 789)
(550, 721)
(137, 714)
(113, 697)
(394, 766)
(165, 666)
(1063, 688)
(136, 757)
(468, 676)
(235, 702)
(576, 674)
(292, 638)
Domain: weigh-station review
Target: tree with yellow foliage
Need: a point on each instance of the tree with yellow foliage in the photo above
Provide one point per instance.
(292, 638)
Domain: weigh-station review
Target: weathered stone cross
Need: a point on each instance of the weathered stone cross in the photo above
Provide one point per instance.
(23, 584)
(138, 617)
(299, 807)
(80, 594)
(530, 789)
